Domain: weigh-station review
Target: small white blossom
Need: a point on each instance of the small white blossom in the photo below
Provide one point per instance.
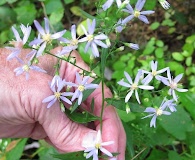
(164, 4)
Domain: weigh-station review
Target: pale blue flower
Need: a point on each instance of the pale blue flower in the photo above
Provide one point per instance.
(155, 112)
(132, 45)
(56, 86)
(81, 86)
(96, 144)
(133, 86)
(119, 26)
(46, 36)
(154, 73)
(173, 84)
(108, 4)
(19, 43)
(93, 40)
(137, 12)
(25, 68)
(164, 4)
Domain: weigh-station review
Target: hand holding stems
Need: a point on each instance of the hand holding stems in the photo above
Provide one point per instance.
(22, 113)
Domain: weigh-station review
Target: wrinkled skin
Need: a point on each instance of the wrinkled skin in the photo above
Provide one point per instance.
(22, 113)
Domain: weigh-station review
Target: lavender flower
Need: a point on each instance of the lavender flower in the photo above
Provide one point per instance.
(137, 12)
(81, 86)
(96, 144)
(155, 112)
(18, 43)
(108, 4)
(26, 68)
(119, 26)
(71, 44)
(154, 73)
(46, 36)
(164, 4)
(93, 40)
(133, 85)
(132, 45)
(173, 84)
(56, 86)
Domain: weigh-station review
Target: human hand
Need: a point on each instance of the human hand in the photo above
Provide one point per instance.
(22, 113)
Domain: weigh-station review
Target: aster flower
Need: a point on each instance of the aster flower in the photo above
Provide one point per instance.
(155, 112)
(173, 84)
(108, 4)
(132, 45)
(133, 86)
(26, 68)
(164, 4)
(81, 86)
(18, 43)
(71, 44)
(93, 40)
(93, 147)
(154, 73)
(119, 26)
(46, 36)
(56, 86)
(137, 12)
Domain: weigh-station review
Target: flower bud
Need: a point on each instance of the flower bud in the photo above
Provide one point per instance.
(121, 48)
(127, 108)
(108, 42)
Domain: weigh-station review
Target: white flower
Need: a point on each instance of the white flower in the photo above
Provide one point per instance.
(164, 4)
(95, 145)
(173, 84)
(133, 85)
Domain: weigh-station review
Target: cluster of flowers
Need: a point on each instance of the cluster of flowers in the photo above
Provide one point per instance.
(92, 40)
(142, 83)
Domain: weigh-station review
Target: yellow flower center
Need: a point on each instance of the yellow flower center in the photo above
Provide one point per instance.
(81, 88)
(47, 37)
(26, 68)
(136, 13)
(57, 95)
(97, 145)
(154, 73)
(74, 42)
(159, 112)
(89, 37)
(173, 85)
(134, 86)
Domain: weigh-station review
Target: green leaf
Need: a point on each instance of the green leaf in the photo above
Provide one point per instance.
(159, 43)
(83, 117)
(53, 6)
(189, 48)
(46, 152)
(190, 39)
(11, 1)
(188, 101)
(188, 61)
(81, 13)
(178, 123)
(71, 156)
(68, 1)
(17, 151)
(177, 67)
(86, 94)
(120, 104)
(118, 65)
(157, 154)
(124, 116)
(2, 2)
(26, 14)
(154, 25)
(148, 50)
(56, 16)
(174, 155)
(177, 56)
(159, 52)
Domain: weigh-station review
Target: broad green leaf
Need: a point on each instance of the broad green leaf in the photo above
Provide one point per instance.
(188, 61)
(174, 155)
(177, 56)
(11, 1)
(177, 124)
(86, 94)
(79, 28)
(190, 39)
(148, 50)
(157, 155)
(124, 116)
(26, 14)
(118, 65)
(53, 6)
(79, 12)
(2, 2)
(175, 66)
(56, 16)
(188, 101)
(45, 153)
(68, 1)
(17, 151)
(150, 5)
(159, 43)
(83, 117)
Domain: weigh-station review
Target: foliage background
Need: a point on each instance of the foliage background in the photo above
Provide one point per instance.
(169, 39)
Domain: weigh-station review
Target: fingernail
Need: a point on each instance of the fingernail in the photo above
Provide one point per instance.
(89, 138)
